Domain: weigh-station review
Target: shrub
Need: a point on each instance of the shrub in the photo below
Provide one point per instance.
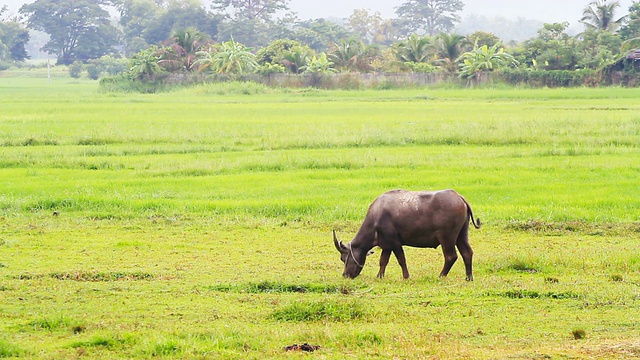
(550, 78)
(93, 71)
(75, 69)
(121, 83)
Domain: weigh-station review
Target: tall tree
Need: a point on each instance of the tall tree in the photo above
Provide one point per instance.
(552, 49)
(3, 48)
(483, 38)
(631, 30)
(429, 16)
(600, 15)
(387, 32)
(363, 24)
(78, 29)
(597, 49)
(135, 17)
(181, 14)
(319, 34)
(13, 38)
(248, 21)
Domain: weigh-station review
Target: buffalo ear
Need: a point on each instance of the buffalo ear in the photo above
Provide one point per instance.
(338, 244)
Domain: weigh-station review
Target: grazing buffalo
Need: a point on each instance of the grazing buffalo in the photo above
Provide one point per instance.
(413, 218)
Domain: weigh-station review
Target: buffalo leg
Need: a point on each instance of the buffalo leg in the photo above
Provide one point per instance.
(466, 251)
(384, 260)
(399, 252)
(450, 257)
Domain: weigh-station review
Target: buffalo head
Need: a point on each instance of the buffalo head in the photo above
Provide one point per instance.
(353, 258)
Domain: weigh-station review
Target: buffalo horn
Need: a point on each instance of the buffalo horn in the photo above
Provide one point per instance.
(337, 243)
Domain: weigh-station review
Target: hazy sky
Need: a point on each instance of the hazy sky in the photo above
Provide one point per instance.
(543, 10)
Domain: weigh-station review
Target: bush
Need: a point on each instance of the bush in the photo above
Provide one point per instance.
(551, 78)
(122, 83)
(93, 71)
(420, 67)
(75, 69)
(106, 65)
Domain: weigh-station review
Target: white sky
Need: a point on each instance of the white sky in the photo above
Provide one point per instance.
(543, 10)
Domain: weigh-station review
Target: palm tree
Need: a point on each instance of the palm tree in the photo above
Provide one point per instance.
(449, 50)
(600, 15)
(296, 59)
(415, 49)
(183, 47)
(350, 55)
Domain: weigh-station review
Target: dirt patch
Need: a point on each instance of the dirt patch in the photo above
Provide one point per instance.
(623, 350)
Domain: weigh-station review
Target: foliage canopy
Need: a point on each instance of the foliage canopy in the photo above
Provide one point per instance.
(79, 30)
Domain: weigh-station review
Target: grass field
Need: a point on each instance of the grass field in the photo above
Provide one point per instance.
(197, 223)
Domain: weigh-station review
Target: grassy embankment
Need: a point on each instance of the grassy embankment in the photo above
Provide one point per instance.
(197, 223)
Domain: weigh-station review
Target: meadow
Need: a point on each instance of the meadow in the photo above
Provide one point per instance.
(197, 223)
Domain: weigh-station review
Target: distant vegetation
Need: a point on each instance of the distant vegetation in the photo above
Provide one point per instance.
(185, 42)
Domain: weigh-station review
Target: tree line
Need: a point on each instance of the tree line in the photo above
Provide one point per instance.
(152, 38)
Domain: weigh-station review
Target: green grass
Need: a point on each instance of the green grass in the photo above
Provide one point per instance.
(197, 223)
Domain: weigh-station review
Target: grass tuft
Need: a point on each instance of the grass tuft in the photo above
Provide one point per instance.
(368, 338)
(50, 324)
(274, 287)
(111, 342)
(521, 294)
(524, 266)
(165, 348)
(320, 311)
(8, 350)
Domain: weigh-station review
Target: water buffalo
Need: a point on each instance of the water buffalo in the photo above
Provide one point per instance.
(413, 218)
